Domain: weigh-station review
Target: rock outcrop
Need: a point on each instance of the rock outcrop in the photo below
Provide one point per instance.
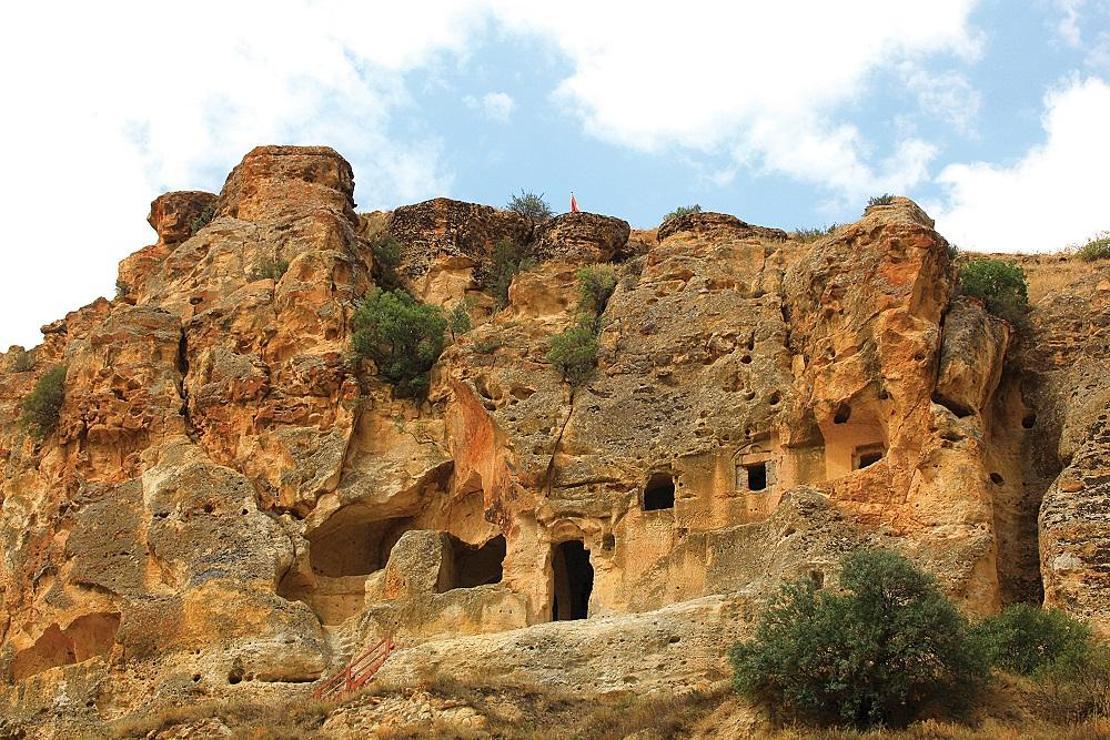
(229, 504)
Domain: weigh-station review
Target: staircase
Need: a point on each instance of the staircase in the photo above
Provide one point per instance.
(357, 673)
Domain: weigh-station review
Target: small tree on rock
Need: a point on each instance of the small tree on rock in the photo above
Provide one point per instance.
(533, 207)
(402, 336)
(1000, 285)
(42, 407)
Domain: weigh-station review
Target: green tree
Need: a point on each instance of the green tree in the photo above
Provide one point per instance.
(574, 351)
(874, 654)
(43, 404)
(533, 207)
(1000, 285)
(1024, 639)
(402, 336)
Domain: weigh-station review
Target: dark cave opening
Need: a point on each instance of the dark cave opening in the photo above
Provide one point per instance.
(573, 580)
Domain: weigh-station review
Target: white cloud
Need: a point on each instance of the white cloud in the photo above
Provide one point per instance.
(110, 105)
(107, 106)
(751, 77)
(1068, 26)
(496, 106)
(1056, 194)
(947, 95)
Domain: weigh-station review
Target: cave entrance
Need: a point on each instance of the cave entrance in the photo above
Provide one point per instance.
(865, 457)
(659, 493)
(573, 580)
(354, 546)
(468, 566)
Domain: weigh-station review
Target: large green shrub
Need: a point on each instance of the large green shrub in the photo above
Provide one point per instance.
(1024, 639)
(574, 352)
(402, 336)
(43, 404)
(507, 260)
(533, 207)
(682, 211)
(1096, 249)
(877, 653)
(1000, 285)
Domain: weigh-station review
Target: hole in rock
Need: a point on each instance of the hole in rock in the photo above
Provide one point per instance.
(757, 476)
(843, 413)
(353, 546)
(467, 566)
(573, 580)
(865, 457)
(818, 578)
(997, 479)
(775, 398)
(659, 492)
(1029, 421)
(608, 542)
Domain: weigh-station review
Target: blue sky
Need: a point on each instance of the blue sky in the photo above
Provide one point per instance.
(993, 115)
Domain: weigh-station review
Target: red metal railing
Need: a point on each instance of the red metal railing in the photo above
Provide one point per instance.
(358, 671)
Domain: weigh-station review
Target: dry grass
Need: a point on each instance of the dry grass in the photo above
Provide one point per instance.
(250, 719)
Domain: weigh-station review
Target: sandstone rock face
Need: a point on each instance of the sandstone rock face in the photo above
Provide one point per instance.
(581, 237)
(229, 507)
(717, 226)
(177, 216)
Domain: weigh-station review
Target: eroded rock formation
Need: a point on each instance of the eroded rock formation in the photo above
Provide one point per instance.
(228, 501)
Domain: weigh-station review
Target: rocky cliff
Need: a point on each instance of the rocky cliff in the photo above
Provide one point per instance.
(229, 503)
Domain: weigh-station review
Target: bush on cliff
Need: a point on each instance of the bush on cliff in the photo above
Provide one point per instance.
(574, 352)
(387, 258)
(43, 405)
(595, 286)
(1024, 639)
(458, 319)
(877, 653)
(269, 269)
(880, 200)
(1000, 285)
(506, 261)
(682, 211)
(402, 336)
(533, 207)
(1096, 249)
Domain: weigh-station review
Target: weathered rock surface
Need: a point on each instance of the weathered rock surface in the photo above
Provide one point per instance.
(228, 506)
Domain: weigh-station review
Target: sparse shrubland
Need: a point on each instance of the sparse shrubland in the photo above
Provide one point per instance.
(402, 336)
(43, 405)
(533, 207)
(1000, 285)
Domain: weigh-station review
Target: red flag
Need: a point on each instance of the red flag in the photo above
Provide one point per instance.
(573, 203)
